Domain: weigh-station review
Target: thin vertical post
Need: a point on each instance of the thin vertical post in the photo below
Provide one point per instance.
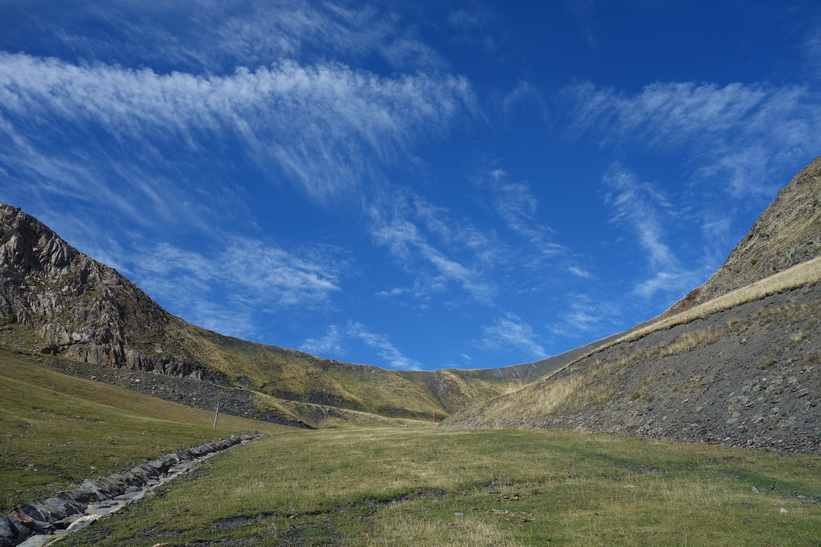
(217, 415)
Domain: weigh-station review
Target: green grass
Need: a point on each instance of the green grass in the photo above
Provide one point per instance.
(56, 430)
(442, 486)
(289, 375)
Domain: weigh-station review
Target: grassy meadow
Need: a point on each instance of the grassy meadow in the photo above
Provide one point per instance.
(420, 485)
(56, 430)
(442, 486)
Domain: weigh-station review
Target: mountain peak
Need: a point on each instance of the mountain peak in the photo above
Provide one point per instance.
(74, 305)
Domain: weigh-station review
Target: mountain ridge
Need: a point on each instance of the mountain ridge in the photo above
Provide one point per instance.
(787, 233)
(66, 307)
(56, 301)
(736, 362)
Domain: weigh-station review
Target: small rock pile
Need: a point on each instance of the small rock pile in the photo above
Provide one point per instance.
(61, 511)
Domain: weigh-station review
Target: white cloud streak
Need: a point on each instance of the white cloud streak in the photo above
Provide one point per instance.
(644, 209)
(737, 133)
(637, 204)
(585, 316)
(240, 32)
(328, 345)
(517, 206)
(510, 333)
(333, 343)
(579, 272)
(223, 292)
(316, 124)
(396, 224)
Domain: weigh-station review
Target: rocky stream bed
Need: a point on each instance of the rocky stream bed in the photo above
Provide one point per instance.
(42, 522)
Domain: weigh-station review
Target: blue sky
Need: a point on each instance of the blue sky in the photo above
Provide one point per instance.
(413, 185)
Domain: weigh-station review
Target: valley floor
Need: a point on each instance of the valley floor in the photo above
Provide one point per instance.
(443, 486)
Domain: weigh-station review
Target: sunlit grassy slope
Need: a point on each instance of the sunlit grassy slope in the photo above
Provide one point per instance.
(439, 486)
(796, 276)
(291, 375)
(56, 430)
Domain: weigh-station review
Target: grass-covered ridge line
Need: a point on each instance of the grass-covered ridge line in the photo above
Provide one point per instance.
(440, 486)
(797, 276)
(294, 379)
(56, 430)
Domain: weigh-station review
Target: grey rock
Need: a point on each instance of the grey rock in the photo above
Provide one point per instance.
(60, 511)
(28, 514)
(22, 523)
(109, 486)
(86, 310)
(8, 532)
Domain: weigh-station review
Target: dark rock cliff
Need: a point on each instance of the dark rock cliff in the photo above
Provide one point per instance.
(78, 307)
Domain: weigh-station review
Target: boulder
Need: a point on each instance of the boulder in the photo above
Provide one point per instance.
(8, 532)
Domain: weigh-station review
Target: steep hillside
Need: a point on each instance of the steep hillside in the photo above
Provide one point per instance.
(738, 362)
(787, 233)
(57, 301)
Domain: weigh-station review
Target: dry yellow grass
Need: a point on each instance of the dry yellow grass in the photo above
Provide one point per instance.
(797, 276)
(802, 274)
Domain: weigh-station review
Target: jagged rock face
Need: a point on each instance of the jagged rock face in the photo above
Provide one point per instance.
(787, 233)
(73, 306)
(80, 308)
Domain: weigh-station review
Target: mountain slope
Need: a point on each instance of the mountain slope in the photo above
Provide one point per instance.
(787, 233)
(55, 300)
(738, 362)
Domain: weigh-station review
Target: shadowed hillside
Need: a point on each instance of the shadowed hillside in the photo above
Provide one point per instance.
(738, 362)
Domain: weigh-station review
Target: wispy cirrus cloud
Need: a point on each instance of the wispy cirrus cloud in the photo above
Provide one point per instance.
(240, 32)
(584, 11)
(410, 230)
(517, 206)
(473, 28)
(334, 340)
(315, 124)
(512, 335)
(580, 272)
(736, 133)
(638, 205)
(584, 315)
(644, 210)
(811, 48)
(225, 290)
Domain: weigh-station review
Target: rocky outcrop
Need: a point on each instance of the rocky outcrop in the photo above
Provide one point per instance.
(61, 511)
(82, 309)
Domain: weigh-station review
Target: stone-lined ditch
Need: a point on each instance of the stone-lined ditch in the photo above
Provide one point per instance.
(44, 521)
